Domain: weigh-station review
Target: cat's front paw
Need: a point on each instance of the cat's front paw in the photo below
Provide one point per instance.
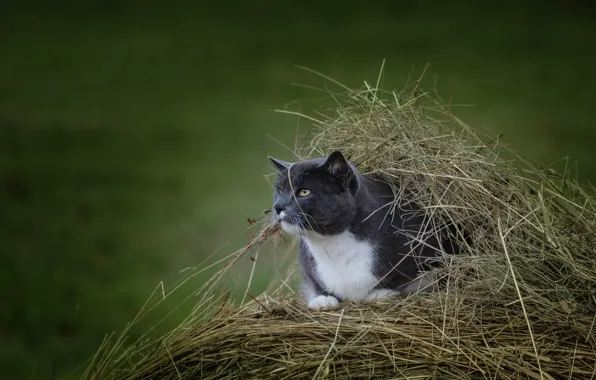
(378, 294)
(323, 302)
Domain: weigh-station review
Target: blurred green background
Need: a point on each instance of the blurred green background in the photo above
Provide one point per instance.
(133, 134)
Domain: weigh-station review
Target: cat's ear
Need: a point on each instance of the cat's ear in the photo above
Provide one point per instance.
(338, 167)
(279, 164)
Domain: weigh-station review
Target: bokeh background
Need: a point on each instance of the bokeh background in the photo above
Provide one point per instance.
(134, 134)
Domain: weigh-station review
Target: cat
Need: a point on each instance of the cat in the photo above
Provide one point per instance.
(354, 245)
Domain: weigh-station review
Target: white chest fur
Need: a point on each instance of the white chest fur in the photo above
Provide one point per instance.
(343, 264)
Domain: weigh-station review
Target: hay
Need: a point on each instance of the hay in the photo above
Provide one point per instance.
(518, 302)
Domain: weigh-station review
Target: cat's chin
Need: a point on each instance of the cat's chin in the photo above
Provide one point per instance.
(290, 228)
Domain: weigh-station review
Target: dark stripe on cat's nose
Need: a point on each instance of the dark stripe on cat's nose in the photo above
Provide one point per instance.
(278, 209)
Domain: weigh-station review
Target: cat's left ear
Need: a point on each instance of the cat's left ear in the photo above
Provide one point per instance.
(279, 164)
(338, 167)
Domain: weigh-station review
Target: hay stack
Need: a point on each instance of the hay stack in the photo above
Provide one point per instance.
(518, 302)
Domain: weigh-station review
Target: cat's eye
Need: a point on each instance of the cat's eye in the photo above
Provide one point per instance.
(303, 193)
(280, 190)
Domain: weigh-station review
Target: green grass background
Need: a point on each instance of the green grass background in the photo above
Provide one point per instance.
(133, 134)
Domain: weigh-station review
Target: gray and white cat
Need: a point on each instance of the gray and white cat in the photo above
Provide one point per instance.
(354, 245)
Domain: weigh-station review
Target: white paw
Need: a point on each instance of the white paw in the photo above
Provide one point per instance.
(378, 294)
(420, 284)
(323, 302)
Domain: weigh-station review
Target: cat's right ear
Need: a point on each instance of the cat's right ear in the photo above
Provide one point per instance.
(279, 164)
(337, 165)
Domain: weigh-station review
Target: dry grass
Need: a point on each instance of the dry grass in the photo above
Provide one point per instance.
(518, 302)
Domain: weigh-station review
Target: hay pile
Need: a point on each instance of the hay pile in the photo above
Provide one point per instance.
(518, 302)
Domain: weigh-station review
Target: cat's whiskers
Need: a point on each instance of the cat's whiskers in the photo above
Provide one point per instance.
(306, 218)
(302, 231)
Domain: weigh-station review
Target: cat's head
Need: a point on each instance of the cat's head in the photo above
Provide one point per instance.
(315, 195)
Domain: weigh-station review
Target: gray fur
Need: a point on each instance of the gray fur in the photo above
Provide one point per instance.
(343, 199)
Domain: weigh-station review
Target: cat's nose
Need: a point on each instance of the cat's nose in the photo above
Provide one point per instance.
(278, 209)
